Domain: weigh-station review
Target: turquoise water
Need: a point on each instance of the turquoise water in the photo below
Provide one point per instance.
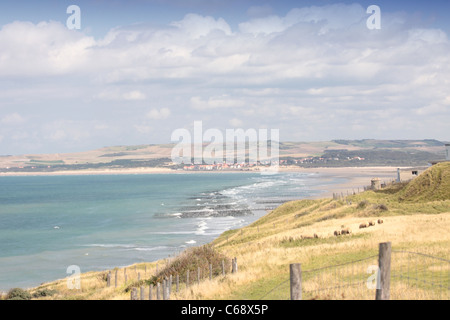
(98, 222)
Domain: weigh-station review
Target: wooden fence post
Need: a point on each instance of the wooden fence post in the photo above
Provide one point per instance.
(170, 284)
(384, 269)
(142, 293)
(223, 267)
(158, 291)
(150, 292)
(210, 272)
(164, 287)
(115, 280)
(133, 294)
(234, 266)
(187, 279)
(108, 279)
(167, 290)
(178, 283)
(295, 272)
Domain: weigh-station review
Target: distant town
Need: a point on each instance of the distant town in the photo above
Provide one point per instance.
(254, 166)
(337, 153)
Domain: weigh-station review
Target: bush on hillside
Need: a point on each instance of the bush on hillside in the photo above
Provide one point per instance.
(381, 207)
(18, 294)
(362, 204)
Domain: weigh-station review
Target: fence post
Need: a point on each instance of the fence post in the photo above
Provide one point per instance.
(158, 291)
(164, 287)
(142, 293)
(178, 283)
(187, 278)
(234, 265)
(115, 279)
(210, 272)
(384, 269)
(223, 267)
(108, 279)
(133, 294)
(150, 293)
(295, 272)
(167, 289)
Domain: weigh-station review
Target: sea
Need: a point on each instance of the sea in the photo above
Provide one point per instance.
(99, 222)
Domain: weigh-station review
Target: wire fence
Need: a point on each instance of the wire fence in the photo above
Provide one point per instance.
(419, 276)
(340, 281)
(414, 276)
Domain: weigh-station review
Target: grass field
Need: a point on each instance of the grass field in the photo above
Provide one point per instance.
(416, 219)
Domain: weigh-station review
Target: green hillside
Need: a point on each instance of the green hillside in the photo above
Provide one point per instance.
(431, 185)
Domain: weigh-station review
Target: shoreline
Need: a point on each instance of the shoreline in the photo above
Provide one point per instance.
(354, 177)
(145, 170)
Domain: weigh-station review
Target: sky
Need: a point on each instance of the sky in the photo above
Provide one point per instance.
(135, 71)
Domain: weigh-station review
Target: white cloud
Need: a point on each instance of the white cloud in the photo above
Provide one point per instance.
(143, 129)
(116, 94)
(134, 95)
(223, 101)
(12, 119)
(316, 68)
(197, 26)
(46, 48)
(155, 114)
(236, 123)
(67, 131)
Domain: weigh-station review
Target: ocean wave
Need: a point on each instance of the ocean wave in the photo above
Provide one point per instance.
(111, 245)
(126, 246)
(176, 214)
(171, 232)
(151, 248)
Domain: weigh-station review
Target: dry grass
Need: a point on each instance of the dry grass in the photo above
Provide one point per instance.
(265, 249)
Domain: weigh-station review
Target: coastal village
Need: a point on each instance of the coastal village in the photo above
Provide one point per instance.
(249, 166)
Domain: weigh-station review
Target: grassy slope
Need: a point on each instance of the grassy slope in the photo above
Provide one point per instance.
(417, 219)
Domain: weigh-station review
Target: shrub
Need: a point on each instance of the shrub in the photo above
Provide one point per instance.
(44, 293)
(362, 204)
(193, 258)
(381, 207)
(18, 294)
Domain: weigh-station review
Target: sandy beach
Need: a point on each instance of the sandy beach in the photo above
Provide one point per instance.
(356, 177)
